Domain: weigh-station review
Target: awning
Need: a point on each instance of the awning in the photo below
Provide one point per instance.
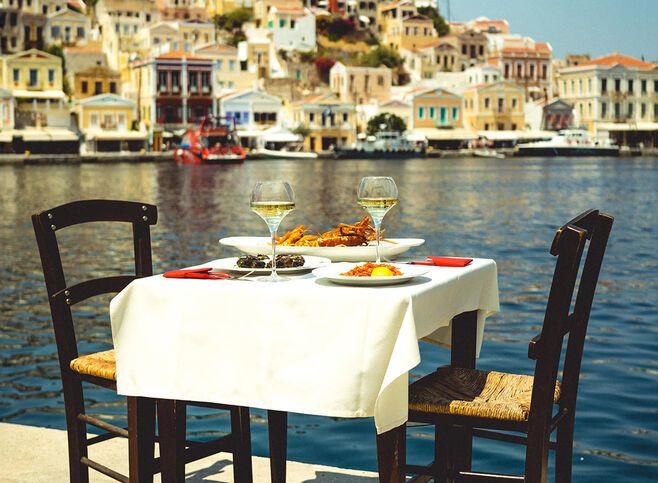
(250, 133)
(46, 134)
(23, 94)
(116, 135)
(433, 134)
(6, 136)
(499, 135)
(416, 137)
(281, 137)
(625, 126)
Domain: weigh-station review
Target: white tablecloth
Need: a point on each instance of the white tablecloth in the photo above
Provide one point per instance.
(305, 345)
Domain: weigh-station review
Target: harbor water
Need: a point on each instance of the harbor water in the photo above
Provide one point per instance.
(506, 209)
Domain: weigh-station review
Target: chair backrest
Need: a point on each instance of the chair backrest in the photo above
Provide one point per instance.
(587, 233)
(61, 296)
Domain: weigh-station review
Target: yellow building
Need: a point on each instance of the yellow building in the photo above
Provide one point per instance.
(401, 27)
(107, 122)
(436, 108)
(331, 122)
(96, 80)
(495, 107)
(360, 84)
(35, 79)
(227, 69)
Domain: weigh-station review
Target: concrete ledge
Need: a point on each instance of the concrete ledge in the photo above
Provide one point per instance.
(39, 455)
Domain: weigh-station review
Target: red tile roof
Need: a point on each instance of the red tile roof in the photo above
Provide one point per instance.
(620, 59)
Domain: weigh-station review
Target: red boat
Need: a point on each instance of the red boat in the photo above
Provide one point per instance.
(214, 141)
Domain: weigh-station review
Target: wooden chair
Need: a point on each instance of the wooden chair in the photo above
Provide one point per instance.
(99, 368)
(462, 402)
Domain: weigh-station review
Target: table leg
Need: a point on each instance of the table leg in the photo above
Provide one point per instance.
(242, 470)
(141, 438)
(464, 341)
(171, 426)
(277, 422)
(391, 455)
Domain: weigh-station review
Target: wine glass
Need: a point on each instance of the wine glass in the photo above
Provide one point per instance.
(272, 201)
(377, 194)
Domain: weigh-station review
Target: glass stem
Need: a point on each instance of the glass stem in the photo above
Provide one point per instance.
(273, 234)
(378, 225)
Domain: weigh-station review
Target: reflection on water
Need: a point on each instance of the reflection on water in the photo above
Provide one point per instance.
(503, 209)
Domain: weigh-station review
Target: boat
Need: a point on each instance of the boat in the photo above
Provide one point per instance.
(570, 142)
(488, 153)
(214, 141)
(287, 152)
(382, 145)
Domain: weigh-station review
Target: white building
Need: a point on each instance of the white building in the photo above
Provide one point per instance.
(293, 28)
(615, 94)
(67, 27)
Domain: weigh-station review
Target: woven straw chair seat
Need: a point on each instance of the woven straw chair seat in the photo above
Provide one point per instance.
(99, 364)
(471, 392)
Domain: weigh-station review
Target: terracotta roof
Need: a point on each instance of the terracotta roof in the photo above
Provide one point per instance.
(218, 48)
(179, 55)
(418, 17)
(483, 24)
(291, 10)
(620, 59)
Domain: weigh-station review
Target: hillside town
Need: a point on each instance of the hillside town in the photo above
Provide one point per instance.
(134, 75)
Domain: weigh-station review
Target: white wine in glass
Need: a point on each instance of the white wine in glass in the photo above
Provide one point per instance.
(377, 194)
(272, 201)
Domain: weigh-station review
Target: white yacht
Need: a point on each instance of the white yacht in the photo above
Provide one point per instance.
(570, 142)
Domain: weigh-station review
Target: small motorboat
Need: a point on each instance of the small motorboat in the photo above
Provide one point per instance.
(382, 145)
(214, 141)
(264, 153)
(488, 153)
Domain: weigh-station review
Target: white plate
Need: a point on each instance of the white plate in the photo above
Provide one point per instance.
(333, 273)
(229, 265)
(254, 245)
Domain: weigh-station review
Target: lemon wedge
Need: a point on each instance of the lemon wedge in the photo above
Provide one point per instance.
(381, 272)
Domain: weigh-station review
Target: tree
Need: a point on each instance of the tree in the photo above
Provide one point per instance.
(382, 55)
(233, 20)
(441, 26)
(385, 121)
(302, 130)
(339, 28)
(323, 65)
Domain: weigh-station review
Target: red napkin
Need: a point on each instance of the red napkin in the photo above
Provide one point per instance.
(444, 261)
(196, 273)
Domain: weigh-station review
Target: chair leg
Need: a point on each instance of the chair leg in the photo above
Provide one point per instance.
(141, 438)
(171, 427)
(391, 455)
(564, 450)
(241, 433)
(536, 460)
(76, 430)
(277, 423)
(441, 454)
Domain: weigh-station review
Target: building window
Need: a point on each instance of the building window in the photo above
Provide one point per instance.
(580, 86)
(655, 112)
(292, 23)
(643, 110)
(486, 126)
(93, 120)
(617, 110)
(643, 86)
(604, 86)
(84, 87)
(630, 109)
(501, 126)
(487, 102)
(630, 85)
(443, 115)
(544, 71)
(81, 32)
(455, 114)
(421, 112)
(113, 87)
(16, 75)
(432, 112)
(282, 23)
(501, 104)
(34, 77)
(51, 76)
(514, 102)
(617, 85)
(98, 87)
(532, 71)
(513, 127)
(380, 80)
(604, 110)
(345, 117)
(231, 65)
(655, 86)
(311, 117)
(54, 32)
